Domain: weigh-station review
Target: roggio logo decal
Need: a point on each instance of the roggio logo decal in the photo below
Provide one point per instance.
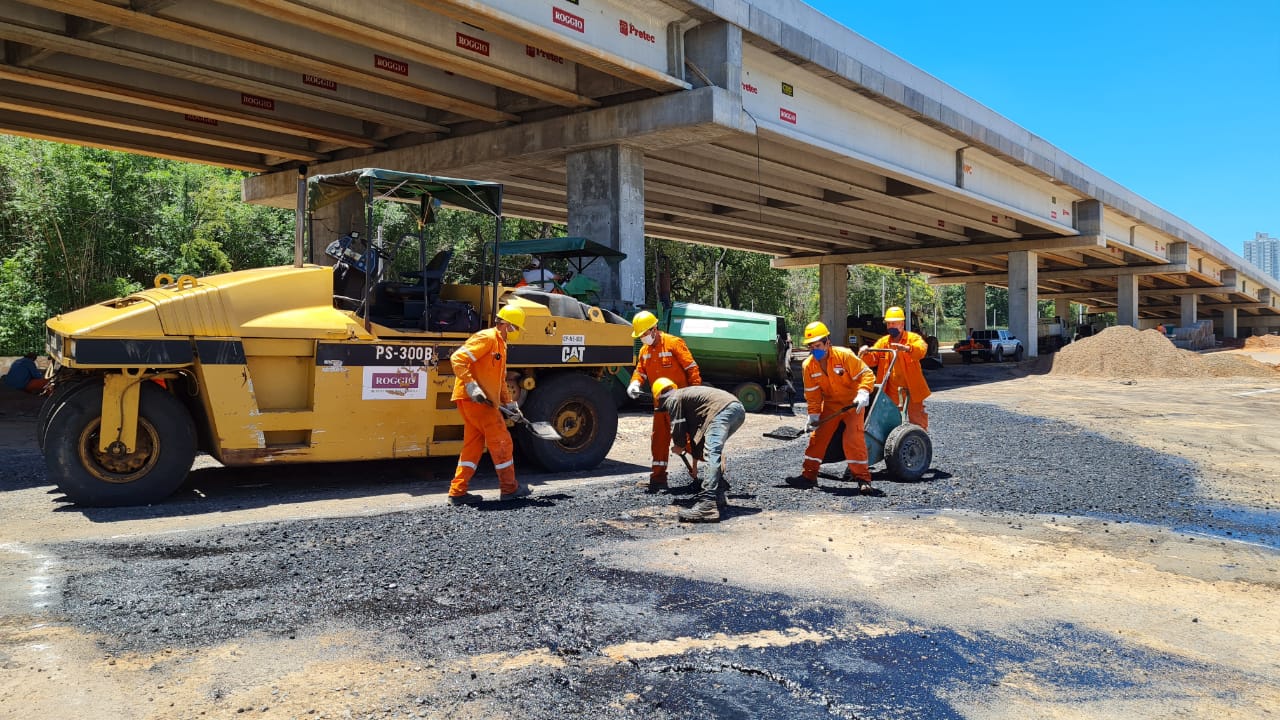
(475, 45)
(396, 66)
(397, 381)
(628, 29)
(787, 115)
(568, 19)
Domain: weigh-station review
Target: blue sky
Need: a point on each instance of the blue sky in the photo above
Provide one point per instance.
(1177, 101)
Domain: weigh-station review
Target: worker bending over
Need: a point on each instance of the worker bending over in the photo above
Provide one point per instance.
(480, 367)
(662, 355)
(907, 372)
(837, 387)
(702, 419)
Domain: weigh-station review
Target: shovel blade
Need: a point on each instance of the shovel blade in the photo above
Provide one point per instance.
(544, 431)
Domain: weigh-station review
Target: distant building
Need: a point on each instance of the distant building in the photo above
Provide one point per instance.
(1264, 251)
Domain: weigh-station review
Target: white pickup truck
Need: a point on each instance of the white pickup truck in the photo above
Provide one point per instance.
(990, 345)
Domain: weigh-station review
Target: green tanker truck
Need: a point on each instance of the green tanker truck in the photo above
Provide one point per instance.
(746, 353)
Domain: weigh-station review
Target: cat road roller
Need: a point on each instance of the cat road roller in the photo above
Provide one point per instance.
(308, 363)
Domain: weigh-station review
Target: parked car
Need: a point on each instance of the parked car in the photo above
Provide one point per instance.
(990, 345)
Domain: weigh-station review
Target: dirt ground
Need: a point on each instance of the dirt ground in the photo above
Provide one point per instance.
(1209, 606)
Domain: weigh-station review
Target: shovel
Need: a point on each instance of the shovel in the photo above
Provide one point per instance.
(791, 433)
(540, 430)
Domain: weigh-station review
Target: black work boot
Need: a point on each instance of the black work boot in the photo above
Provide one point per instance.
(801, 482)
(655, 483)
(703, 511)
(521, 490)
(722, 499)
(465, 499)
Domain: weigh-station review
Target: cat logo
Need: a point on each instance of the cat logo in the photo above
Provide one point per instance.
(572, 353)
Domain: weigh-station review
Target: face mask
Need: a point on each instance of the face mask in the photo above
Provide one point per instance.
(818, 353)
(894, 332)
(648, 339)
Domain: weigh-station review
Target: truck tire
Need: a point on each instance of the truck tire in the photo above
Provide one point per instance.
(61, 392)
(999, 354)
(908, 451)
(162, 456)
(581, 410)
(967, 357)
(751, 395)
(1017, 354)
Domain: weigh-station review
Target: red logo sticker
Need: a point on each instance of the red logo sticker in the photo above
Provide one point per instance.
(398, 67)
(200, 119)
(748, 87)
(628, 29)
(320, 82)
(568, 19)
(399, 381)
(534, 52)
(475, 45)
(787, 115)
(257, 102)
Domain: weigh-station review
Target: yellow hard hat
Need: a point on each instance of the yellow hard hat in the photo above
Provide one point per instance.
(662, 385)
(815, 331)
(894, 313)
(513, 315)
(642, 323)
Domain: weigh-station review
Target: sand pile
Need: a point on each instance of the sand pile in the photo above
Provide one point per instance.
(1263, 342)
(1122, 351)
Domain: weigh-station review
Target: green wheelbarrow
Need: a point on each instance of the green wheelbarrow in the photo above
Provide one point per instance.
(905, 448)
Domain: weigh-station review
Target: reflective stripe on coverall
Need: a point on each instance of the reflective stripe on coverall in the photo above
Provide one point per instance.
(906, 373)
(829, 385)
(482, 359)
(668, 357)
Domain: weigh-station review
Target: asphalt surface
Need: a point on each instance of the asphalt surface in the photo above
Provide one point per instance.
(442, 583)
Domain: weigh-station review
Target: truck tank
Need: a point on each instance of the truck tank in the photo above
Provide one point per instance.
(743, 352)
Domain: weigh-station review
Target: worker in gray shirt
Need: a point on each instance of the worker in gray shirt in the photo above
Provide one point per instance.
(702, 419)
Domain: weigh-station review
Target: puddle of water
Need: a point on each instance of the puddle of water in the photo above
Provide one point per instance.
(1250, 525)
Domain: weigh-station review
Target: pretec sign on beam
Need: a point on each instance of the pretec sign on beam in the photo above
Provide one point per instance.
(615, 28)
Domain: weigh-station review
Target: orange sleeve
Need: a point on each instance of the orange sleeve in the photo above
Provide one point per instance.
(919, 348)
(641, 373)
(812, 390)
(472, 350)
(684, 358)
(867, 381)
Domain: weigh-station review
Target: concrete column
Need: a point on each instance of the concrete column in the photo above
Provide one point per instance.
(975, 306)
(606, 204)
(332, 222)
(715, 49)
(833, 301)
(1062, 310)
(1127, 300)
(1023, 304)
(1230, 328)
(1189, 303)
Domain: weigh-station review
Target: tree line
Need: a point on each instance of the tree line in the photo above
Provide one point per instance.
(81, 225)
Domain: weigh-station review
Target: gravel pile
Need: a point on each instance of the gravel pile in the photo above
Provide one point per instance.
(1121, 351)
(1262, 342)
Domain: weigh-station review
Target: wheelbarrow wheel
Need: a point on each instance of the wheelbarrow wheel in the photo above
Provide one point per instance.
(908, 451)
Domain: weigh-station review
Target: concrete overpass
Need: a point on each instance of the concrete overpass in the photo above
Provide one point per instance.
(754, 124)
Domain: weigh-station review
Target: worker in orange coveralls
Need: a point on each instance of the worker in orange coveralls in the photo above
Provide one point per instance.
(662, 355)
(836, 382)
(906, 368)
(480, 367)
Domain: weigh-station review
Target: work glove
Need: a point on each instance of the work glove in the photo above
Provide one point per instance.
(862, 350)
(476, 393)
(862, 400)
(813, 423)
(513, 409)
(633, 390)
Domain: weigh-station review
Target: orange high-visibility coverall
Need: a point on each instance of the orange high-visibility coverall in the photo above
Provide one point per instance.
(482, 359)
(829, 385)
(906, 373)
(668, 357)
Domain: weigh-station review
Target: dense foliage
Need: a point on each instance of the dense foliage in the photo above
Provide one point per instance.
(80, 225)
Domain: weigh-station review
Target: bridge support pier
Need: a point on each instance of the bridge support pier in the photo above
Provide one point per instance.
(833, 301)
(975, 306)
(1024, 311)
(606, 204)
(1189, 315)
(1127, 300)
(1230, 328)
